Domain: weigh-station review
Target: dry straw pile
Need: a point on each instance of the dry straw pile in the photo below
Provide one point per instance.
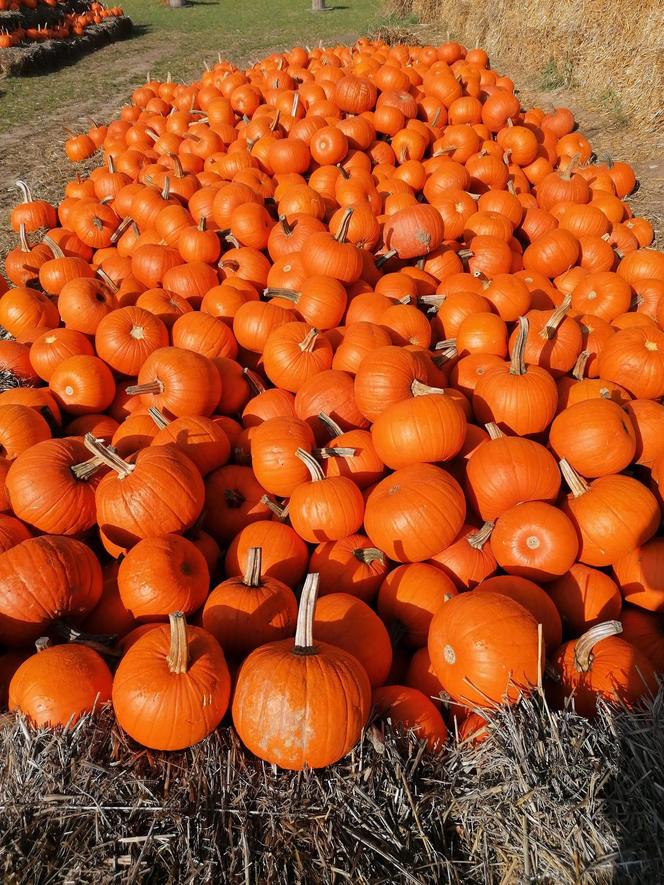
(550, 797)
(612, 51)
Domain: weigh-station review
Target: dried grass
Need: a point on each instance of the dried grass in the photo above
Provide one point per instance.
(550, 797)
(612, 51)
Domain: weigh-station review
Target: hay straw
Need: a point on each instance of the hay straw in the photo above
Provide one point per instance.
(550, 797)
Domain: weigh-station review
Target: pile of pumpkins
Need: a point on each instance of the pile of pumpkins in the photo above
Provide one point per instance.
(341, 393)
(72, 24)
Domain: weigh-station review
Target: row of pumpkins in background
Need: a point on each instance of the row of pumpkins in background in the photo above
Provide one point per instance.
(337, 322)
(72, 25)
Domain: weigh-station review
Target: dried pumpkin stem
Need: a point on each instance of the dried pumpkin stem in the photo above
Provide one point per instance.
(583, 647)
(107, 456)
(155, 386)
(517, 363)
(304, 631)
(418, 388)
(369, 554)
(478, 539)
(330, 424)
(25, 190)
(23, 239)
(308, 342)
(384, 258)
(121, 228)
(286, 294)
(86, 469)
(340, 235)
(233, 498)
(166, 188)
(548, 330)
(279, 510)
(332, 452)
(285, 226)
(579, 369)
(493, 430)
(252, 574)
(104, 277)
(568, 171)
(178, 654)
(578, 486)
(311, 464)
(446, 344)
(111, 164)
(158, 417)
(254, 381)
(53, 246)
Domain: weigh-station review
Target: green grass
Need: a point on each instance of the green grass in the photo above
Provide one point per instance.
(179, 41)
(557, 74)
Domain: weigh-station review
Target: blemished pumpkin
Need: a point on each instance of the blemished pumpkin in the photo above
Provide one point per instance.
(60, 684)
(172, 687)
(319, 697)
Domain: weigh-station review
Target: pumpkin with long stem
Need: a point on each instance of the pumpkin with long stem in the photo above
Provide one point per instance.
(31, 213)
(172, 686)
(60, 684)
(319, 697)
(60, 572)
(485, 649)
(325, 508)
(285, 555)
(519, 398)
(602, 665)
(247, 611)
(130, 499)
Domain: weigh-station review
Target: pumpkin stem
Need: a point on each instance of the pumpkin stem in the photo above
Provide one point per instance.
(107, 456)
(233, 498)
(166, 189)
(517, 363)
(308, 342)
(285, 226)
(549, 329)
(567, 172)
(418, 388)
(330, 424)
(580, 365)
(286, 294)
(311, 464)
(369, 554)
(279, 510)
(53, 246)
(275, 121)
(23, 239)
(158, 417)
(155, 386)
(25, 190)
(578, 486)
(384, 258)
(343, 172)
(178, 655)
(304, 631)
(332, 452)
(493, 430)
(296, 104)
(202, 224)
(104, 277)
(252, 574)
(111, 164)
(121, 228)
(86, 469)
(446, 344)
(478, 539)
(254, 381)
(583, 647)
(340, 235)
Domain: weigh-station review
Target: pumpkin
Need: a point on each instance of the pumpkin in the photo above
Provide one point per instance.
(247, 611)
(585, 596)
(82, 385)
(60, 684)
(233, 499)
(319, 697)
(285, 555)
(420, 675)
(634, 358)
(201, 439)
(109, 616)
(534, 540)
(124, 338)
(580, 434)
(54, 346)
(638, 574)
(647, 419)
(602, 665)
(414, 513)
(178, 382)
(12, 532)
(130, 501)
(534, 599)
(484, 649)
(172, 686)
(414, 231)
(20, 428)
(410, 596)
(409, 710)
(294, 353)
(645, 631)
(61, 572)
(612, 515)
(469, 559)
(162, 574)
(273, 447)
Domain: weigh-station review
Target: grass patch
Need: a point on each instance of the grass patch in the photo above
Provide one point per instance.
(611, 102)
(557, 74)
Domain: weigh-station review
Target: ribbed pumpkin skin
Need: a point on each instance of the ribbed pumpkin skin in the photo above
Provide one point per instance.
(326, 510)
(201, 440)
(465, 565)
(170, 711)
(484, 649)
(584, 596)
(411, 710)
(634, 358)
(615, 516)
(619, 673)
(414, 513)
(127, 336)
(348, 623)
(285, 555)
(420, 429)
(645, 630)
(385, 377)
(273, 446)
(20, 428)
(640, 575)
(580, 433)
(58, 685)
(506, 471)
(318, 704)
(534, 599)
(135, 507)
(518, 404)
(45, 493)
(42, 579)
(410, 596)
(12, 532)
(341, 571)
(534, 540)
